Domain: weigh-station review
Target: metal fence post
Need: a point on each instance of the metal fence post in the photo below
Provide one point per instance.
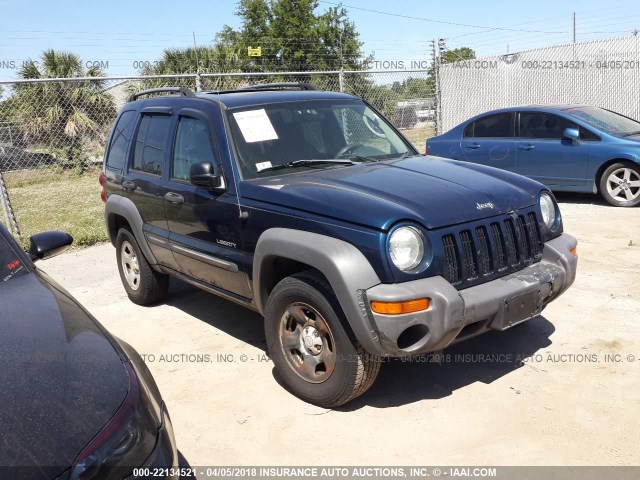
(341, 79)
(9, 216)
(438, 116)
(198, 83)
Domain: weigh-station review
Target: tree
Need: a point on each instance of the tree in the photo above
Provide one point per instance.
(457, 54)
(62, 115)
(290, 34)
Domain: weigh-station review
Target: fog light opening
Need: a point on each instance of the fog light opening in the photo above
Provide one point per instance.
(412, 336)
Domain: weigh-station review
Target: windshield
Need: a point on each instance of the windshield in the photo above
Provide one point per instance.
(280, 134)
(11, 265)
(605, 120)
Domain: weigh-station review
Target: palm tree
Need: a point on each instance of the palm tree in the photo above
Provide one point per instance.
(63, 115)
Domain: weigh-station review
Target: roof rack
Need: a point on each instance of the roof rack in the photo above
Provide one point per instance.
(261, 87)
(277, 86)
(183, 91)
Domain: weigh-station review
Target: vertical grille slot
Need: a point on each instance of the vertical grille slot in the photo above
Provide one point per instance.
(470, 270)
(498, 240)
(534, 235)
(484, 255)
(451, 257)
(510, 241)
(523, 240)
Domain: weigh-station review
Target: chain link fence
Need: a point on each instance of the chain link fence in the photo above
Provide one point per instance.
(604, 73)
(53, 134)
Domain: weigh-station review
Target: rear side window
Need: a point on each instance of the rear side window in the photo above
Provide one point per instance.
(543, 125)
(122, 133)
(151, 143)
(192, 146)
(499, 125)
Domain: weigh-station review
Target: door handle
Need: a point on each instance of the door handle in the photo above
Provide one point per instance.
(129, 185)
(473, 146)
(527, 147)
(174, 198)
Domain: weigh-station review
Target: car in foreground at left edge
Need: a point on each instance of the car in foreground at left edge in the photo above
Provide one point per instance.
(569, 148)
(77, 403)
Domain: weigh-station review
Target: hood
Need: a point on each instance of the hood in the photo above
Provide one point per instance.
(432, 191)
(62, 380)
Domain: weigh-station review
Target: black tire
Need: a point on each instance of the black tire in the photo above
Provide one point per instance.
(348, 372)
(616, 189)
(152, 286)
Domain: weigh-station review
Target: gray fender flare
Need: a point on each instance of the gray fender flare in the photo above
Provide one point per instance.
(348, 271)
(119, 205)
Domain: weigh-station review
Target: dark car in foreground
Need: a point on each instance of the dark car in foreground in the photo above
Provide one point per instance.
(572, 148)
(77, 403)
(311, 209)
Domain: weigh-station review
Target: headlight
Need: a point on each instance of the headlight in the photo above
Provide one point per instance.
(406, 247)
(548, 209)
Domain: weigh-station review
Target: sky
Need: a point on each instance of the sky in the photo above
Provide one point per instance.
(120, 36)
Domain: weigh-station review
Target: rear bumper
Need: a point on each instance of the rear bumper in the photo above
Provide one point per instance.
(458, 315)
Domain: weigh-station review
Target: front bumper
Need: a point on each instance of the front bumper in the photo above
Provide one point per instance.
(458, 315)
(163, 461)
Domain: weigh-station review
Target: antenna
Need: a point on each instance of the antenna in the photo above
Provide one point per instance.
(195, 51)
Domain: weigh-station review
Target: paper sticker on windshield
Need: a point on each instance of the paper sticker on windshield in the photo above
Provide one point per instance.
(255, 126)
(262, 165)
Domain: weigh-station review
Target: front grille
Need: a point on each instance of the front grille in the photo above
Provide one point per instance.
(491, 250)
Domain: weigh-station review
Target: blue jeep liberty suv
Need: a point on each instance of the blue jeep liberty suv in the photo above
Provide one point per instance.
(310, 208)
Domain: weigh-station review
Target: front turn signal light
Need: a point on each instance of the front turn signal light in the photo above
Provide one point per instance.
(574, 251)
(398, 308)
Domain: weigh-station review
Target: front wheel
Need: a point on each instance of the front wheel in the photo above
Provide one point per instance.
(313, 354)
(620, 185)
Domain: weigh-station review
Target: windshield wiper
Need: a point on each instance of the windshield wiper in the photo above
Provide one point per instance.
(630, 134)
(359, 158)
(305, 163)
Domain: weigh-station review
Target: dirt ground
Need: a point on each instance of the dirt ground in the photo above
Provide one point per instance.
(562, 389)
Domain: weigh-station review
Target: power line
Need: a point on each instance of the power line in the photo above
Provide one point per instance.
(435, 21)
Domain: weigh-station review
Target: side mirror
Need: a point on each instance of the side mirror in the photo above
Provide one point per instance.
(48, 244)
(202, 175)
(572, 134)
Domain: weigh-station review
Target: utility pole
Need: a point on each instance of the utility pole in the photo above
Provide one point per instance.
(574, 27)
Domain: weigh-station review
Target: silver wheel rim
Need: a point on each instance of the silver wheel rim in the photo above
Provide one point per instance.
(130, 266)
(623, 184)
(307, 343)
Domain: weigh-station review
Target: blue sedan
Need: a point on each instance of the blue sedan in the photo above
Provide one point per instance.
(574, 148)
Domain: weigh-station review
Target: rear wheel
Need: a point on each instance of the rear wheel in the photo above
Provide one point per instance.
(620, 184)
(142, 283)
(314, 356)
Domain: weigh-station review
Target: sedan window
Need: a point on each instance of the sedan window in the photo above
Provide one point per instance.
(543, 125)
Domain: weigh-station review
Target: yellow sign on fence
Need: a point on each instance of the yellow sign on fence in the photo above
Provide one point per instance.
(254, 52)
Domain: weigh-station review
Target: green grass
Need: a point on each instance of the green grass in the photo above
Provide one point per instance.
(418, 136)
(48, 200)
